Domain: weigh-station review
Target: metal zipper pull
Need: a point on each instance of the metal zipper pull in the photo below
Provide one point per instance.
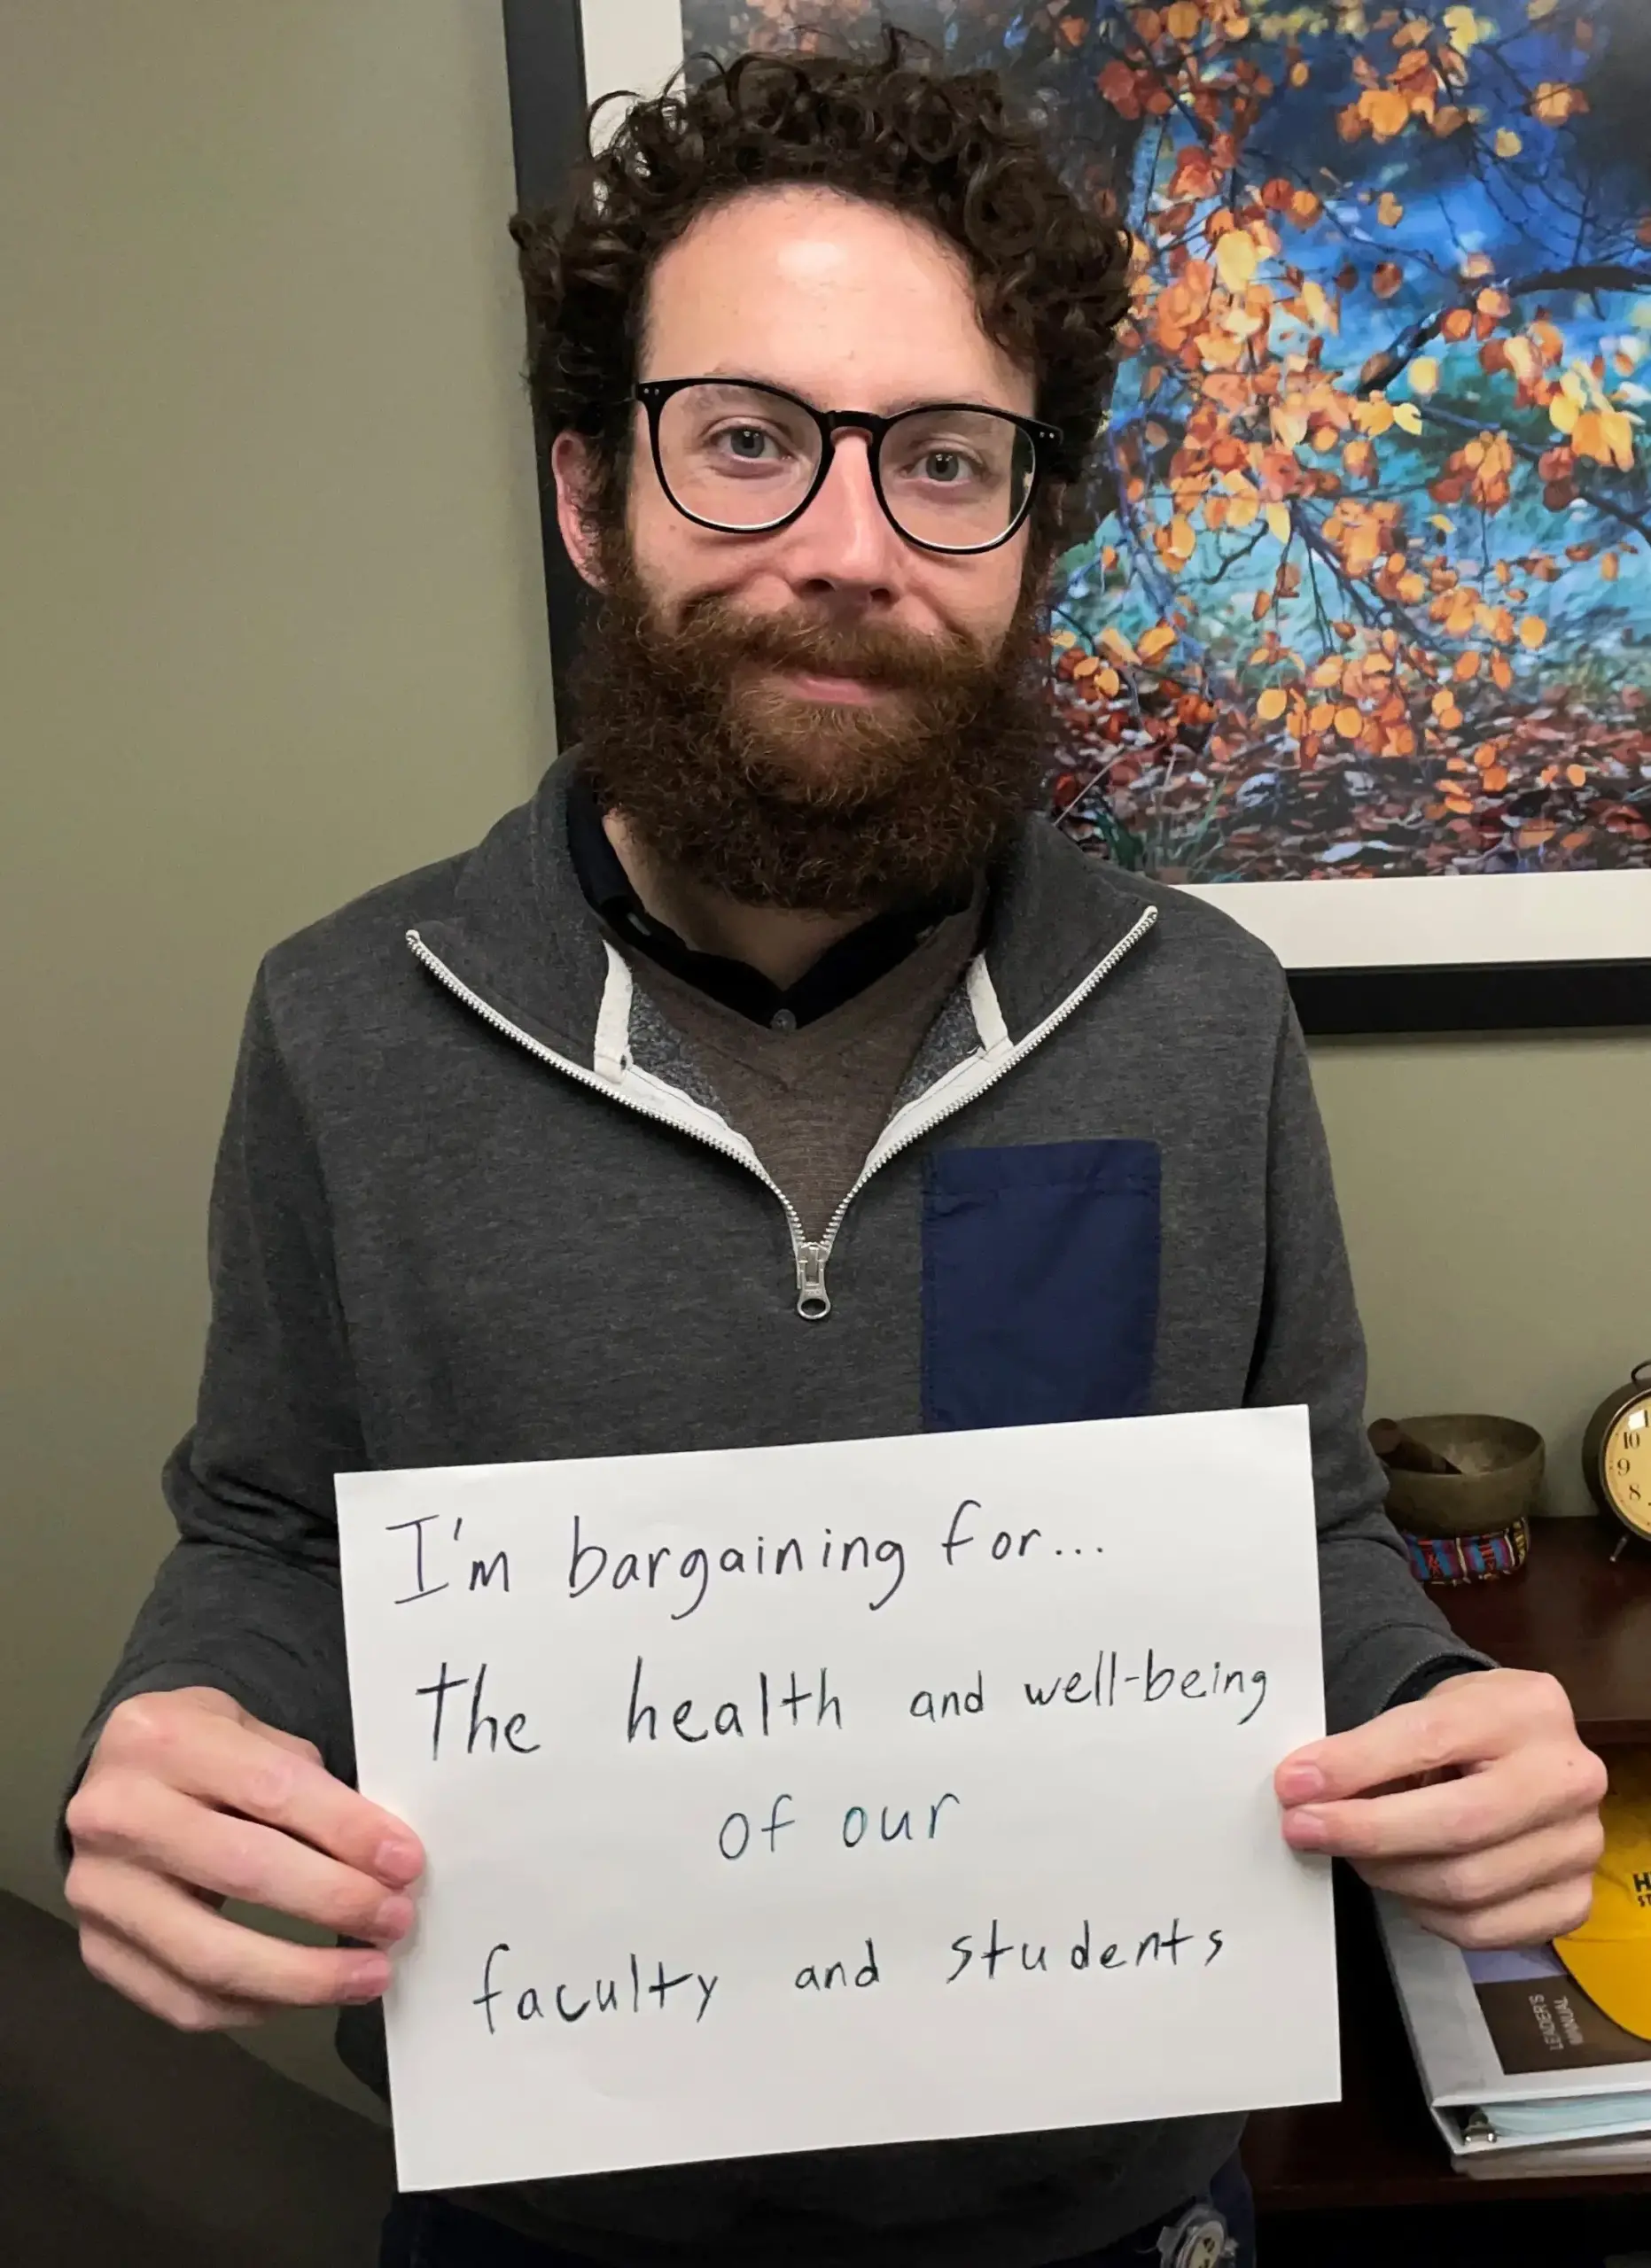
(814, 1302)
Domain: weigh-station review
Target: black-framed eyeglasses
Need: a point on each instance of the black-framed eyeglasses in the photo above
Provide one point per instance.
(746, 458)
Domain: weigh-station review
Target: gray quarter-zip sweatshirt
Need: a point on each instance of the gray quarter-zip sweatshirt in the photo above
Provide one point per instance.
(476, 1202)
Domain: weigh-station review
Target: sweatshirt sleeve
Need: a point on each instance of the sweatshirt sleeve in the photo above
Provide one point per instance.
(248, 1599)
(1381, 1628)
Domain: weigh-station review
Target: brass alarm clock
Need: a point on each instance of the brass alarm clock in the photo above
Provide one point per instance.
(1616, 1453)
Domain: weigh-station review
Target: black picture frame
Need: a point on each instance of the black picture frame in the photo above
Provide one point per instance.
(545, 62)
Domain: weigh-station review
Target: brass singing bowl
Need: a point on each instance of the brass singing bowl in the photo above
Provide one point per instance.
(1501, 1463)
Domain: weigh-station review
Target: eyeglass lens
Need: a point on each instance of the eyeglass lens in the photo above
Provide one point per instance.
(742, 459)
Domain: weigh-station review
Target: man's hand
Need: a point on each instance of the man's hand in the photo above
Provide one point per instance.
(187, 1801)
(1478, 1803)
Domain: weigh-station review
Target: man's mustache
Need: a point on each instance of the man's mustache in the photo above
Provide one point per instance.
(877, 654)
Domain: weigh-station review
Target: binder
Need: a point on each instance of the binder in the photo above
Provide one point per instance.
(1521, 2071)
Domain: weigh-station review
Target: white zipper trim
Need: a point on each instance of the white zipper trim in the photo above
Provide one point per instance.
(654, 1098)
(984, 1006)
(613, 1018)
(640, 1091)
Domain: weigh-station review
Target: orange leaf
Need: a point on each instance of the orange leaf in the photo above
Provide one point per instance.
(1495, 780)
(1272, 704)
(1575, 773)
(1533, 631)
(1467, 667)
(1349, 723)
(1385, 111)
(1387, 280)
(1236, 255)
(1154, 641)
(1554, 102)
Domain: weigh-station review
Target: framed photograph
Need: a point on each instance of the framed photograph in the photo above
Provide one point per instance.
(1360, 647)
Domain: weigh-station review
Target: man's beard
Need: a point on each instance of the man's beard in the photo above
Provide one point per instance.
(746, 788)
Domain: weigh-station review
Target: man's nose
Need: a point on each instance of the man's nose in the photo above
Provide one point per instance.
(844, 541)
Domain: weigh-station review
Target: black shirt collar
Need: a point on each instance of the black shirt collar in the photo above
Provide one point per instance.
(841, 972)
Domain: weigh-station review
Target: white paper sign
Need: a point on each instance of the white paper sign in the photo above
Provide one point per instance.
(790, 1798)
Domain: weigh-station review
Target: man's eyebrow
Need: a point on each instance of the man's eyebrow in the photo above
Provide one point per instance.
(745, 376)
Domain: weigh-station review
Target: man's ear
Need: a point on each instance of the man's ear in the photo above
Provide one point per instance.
(575, 468)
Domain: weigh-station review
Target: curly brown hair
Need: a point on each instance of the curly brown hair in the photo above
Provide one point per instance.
(1050, 271)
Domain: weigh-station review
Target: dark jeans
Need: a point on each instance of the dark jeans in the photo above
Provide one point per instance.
(1215, 2231)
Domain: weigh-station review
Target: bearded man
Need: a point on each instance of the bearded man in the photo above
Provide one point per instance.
(776, 1075)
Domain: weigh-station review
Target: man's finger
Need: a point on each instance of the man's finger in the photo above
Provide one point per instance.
(293, 1742)
(216, 1702)
(235, 1767)
(223, 1959)
(1533, 1920)
(1471, 1814)
(1562, 1854)
(125, 1817)
(126, 1970)
(1468, 1720)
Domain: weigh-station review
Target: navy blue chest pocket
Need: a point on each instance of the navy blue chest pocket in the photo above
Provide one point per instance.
(1039, 1283)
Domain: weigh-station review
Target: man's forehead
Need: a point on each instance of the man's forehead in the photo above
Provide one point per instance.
(836, 298)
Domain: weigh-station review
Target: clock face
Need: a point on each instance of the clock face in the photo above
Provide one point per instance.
(1627, 1462)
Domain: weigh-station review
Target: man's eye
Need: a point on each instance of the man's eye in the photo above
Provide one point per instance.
(943, 468)
(744, 441)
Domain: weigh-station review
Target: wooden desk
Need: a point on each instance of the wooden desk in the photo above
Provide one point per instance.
(1572, 1610)
(1569, 1611)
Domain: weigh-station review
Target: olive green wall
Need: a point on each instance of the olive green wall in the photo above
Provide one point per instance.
(271, 631)
(1494, 1192)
